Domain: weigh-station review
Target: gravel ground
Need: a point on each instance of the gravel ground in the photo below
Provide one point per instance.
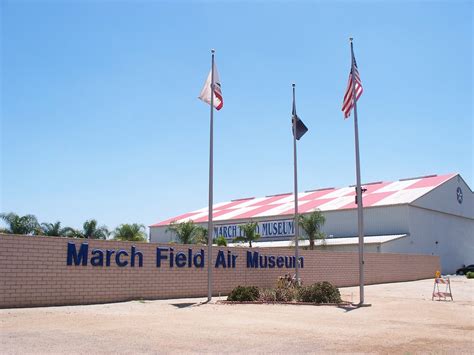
(402, 319)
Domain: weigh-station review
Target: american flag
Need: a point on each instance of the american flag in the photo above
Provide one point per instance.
(348, 102)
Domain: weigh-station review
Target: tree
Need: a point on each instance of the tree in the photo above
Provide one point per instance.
(311, 225)
(91, 231)
(187, 232)
(250, 233)
(16, 224)
(201, 235)
(55, 230)
(132, 232)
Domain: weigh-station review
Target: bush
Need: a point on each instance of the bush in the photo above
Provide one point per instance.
(320, 292)
(470, 275)
(267, 295)
(244, 294)
(286, 294)
(220, 241)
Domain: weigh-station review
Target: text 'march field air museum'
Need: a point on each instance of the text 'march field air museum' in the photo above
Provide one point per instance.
(431, 215)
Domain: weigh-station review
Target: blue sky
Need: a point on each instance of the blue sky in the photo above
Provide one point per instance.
(100, 116)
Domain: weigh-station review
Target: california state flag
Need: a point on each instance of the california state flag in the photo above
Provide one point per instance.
(206, 90)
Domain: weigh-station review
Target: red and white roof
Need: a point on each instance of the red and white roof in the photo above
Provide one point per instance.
(378, 194)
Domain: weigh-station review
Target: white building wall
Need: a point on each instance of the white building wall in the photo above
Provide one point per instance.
(161, 235)
(437, 233)
(444, 198)
(377, 221)
(353, 248)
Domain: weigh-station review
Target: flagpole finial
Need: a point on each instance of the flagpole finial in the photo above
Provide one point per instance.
(213, 51)
(293, 84)
(351, 39)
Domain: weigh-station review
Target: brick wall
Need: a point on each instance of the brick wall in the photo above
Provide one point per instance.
(34, 272)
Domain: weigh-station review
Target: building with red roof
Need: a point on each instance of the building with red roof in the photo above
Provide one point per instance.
(431, 214)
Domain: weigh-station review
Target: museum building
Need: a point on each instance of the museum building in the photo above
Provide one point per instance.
(431, 215)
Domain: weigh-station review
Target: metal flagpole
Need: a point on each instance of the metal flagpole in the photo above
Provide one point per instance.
(360, 211)
(211, 186)
(296, 188)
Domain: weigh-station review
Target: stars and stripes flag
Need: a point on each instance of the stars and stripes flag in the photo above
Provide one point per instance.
(205, 94)
(354, 78)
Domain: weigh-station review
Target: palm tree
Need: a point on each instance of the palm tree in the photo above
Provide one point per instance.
(55, 230)
(16, 224)
(91, 231)
(132, 232)
(187, 232)
(311, 225)
(250, 233)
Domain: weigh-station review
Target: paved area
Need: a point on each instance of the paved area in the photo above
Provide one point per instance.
(402, 319)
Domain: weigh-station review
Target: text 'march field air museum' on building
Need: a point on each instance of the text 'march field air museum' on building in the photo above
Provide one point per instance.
(431, 215)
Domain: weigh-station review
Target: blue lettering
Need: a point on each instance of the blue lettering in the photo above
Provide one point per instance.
(190, 257)
(280, 262)
(135, 254)
(78, 258)
(199, 259)
(159, 256)
(180, 259)
(252, 259)
(108, 256)
(171, 257)
(271, 261)
(98, 257)
(220, 261)
(119, 262)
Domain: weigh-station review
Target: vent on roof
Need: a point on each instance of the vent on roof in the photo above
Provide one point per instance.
(242, 199)
(418, 177)
(368, 183)
(373, 183)
(286, 193)
(324, 188)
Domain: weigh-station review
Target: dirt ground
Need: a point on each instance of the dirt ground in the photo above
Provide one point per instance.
(402, 319)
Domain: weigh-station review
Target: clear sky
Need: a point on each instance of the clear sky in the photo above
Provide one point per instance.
(100, 116)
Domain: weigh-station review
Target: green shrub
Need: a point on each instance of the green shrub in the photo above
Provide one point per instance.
(320, 292)
(470, 275)
(244, 294)
(220, 241)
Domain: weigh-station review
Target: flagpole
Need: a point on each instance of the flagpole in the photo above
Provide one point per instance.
(360, 211)
(296, 190)
(211, 186)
